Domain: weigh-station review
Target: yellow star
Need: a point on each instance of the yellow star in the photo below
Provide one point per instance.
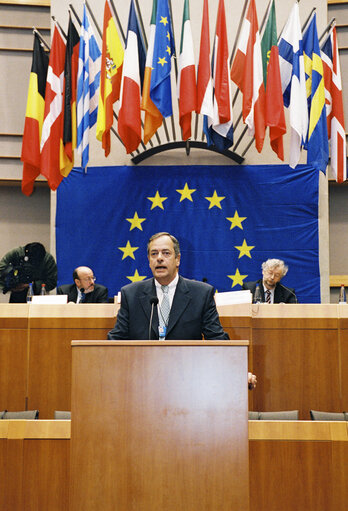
(168, 50)
(168, 36)
(157, 201)
(186, 193)
(236, 220)
(164, 20)
(136, 277)
(244, 250)
(136, 222)
(162, 61)
(237, 278)
(214, 200)
(128, 251)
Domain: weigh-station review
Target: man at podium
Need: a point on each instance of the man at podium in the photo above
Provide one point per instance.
(167, 306)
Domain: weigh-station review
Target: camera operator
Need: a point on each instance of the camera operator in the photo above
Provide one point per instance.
(27, 264)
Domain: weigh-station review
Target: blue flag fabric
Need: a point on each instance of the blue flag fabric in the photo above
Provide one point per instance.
(163, 50)
(317, 143)
(228, 220)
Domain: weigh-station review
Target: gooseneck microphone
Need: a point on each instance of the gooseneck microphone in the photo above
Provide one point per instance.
(290, 291)
(153, 301)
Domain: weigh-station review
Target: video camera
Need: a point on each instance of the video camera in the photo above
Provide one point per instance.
(12, 276)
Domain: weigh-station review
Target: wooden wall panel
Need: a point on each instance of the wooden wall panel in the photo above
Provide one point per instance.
(297, 368)
(13, 368)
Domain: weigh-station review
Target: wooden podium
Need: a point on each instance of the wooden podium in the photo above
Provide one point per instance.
(159, 426)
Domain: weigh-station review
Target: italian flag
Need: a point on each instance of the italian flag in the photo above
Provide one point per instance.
(186, 77)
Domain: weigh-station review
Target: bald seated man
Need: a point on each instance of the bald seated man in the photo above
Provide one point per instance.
(84, 289)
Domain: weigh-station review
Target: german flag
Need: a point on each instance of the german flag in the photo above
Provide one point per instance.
(70, 90)
(34, 117)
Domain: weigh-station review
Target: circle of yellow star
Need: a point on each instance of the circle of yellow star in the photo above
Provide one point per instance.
(244, 249)
(157, 201)
(236, 220)
(237, 278)
(128, 250)
(214, 200)
(136, 222)
(186, 193)
(136, 277)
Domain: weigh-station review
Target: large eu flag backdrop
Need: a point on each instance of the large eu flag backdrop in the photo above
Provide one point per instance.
(228, 219)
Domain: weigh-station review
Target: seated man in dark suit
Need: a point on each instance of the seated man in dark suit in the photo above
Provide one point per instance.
(272, 291)
(168, 306)
(84, 290)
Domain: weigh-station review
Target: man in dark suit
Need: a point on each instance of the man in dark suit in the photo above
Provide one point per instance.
(168, 306)
(84, 289)
(272, 291)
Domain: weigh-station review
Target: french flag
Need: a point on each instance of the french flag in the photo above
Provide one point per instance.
(129, 121)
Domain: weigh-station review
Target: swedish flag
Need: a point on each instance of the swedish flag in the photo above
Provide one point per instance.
(317, 143)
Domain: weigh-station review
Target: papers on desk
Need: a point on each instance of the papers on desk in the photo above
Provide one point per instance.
(233, 297)
(50, 299)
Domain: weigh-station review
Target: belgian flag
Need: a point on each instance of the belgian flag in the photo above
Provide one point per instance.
(70, 91)
(34, 117)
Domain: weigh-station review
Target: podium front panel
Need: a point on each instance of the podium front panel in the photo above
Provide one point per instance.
(159, 426)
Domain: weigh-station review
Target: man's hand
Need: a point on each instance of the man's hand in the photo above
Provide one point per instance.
(251, 381)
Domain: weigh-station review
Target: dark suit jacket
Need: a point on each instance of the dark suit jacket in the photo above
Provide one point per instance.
(99, 295)
(192, 314)
(281, 294)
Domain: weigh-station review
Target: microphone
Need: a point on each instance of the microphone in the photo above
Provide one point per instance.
(290, 291)
(153, 301)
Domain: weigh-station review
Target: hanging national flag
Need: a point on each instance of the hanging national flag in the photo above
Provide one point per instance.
(164, 49)
(129, 121)
(247, 73)
(219, 129)
(334, 106)
(187, 75)
(293, 82)
(317, 143)
(70, 89)
(88, 78)
(153, 117)
(110, 77)
(34, 117)
(275, 117)
(204, 80)
(52, 149)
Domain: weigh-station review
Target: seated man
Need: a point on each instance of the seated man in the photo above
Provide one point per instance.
(23, 265)
(168, 306)
(84, 290)
(272, 291)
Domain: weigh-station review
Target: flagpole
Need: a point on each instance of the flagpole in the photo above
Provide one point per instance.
(328, 28)
(59, 26)
(43, 42)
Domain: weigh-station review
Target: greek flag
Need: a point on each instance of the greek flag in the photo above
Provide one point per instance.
(88, 78)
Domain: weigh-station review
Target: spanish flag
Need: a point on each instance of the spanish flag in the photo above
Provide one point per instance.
(110, 77)
(34, 117)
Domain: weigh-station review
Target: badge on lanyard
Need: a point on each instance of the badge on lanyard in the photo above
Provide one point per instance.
(162, 330)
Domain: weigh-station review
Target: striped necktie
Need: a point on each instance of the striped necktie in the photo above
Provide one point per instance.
(165, 306)
(268, 296)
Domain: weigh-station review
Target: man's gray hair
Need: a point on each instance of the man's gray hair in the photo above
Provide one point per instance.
(275, 263)
(159, 235)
